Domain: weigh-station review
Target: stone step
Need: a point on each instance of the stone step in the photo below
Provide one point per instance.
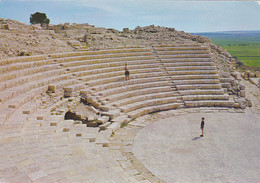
(209, 103)
(177, 45)
(194, 77)
(190, 68)
(103, 137)
(180, 48)
(104, 126)
(109, 63)
(88, 55)
(178, 64)
(205, 97)
(22, 59)
(23, 65)
(147, 102)
(109, 69)
(18, 101)
(73, 90)
(122, 83)
(185, 56)
(79, 129)
(9, 107)
(138, 98)
(61, 84)
(196, 81)
(183, 60)
(112, 113)
(65, 125)
(90, 61)
(100, 52)
(26, 80)
(144, 91)
(91, 75)
(194, 72)
(187, 51)
(146, 110)
(12, 92)
(201, 92)
(27, 72)
(119, 121)
(198, 86)
(106, 83)
(132, 87)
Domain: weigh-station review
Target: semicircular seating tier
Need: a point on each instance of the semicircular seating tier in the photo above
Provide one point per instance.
(162, 77)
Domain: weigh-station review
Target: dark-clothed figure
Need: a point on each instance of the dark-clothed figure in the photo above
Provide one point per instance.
(202, 126)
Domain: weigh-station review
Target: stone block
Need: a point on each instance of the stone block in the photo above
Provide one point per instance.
(242, 87)
(52, 88)
(242, 93)
(92, 124)
(104, 126)
(103, 119)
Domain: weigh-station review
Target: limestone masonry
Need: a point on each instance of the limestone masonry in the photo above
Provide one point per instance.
(63, 94)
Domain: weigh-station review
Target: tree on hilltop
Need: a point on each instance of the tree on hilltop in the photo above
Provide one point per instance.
(39, 18)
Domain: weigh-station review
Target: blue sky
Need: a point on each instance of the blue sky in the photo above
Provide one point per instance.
(188, 16)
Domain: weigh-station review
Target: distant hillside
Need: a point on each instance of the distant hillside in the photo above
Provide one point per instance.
(243, 45)
(234, 36)
(231, 34)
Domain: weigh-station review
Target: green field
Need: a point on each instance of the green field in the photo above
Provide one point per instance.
(244, 46)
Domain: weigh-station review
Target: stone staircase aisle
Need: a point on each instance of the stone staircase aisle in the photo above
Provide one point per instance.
(193, 72)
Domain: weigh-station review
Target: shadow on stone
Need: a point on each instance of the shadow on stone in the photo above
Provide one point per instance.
(196, 138)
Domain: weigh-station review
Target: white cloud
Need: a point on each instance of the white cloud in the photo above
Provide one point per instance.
(258, 2)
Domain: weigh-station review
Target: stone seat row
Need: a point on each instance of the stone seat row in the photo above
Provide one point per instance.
(89, 61)
(104, 63)
(197, 81)
(146, 101)
(100, 85)
(178, 64)
(202, 92)
(183, 52)
(176, 78)
(141, 97)
(26, 95)
(91, 76)
(185, 60)
(23, 65)
(209, 103)
(7, 109)
(158, 49)
(100, 52)
(85, 68)
(86, 56)
(184, 67)
(178, 45)
(198, 86)
(25, 72)
(25, 81)
(193, 72)
(118, 97)
(185, 56)
(205, 97)
(150, 109)
(41, 79)
(113, 91)
(23, 59)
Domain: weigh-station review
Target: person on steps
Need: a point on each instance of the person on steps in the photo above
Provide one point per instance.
(202, 126)
(127, 73)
